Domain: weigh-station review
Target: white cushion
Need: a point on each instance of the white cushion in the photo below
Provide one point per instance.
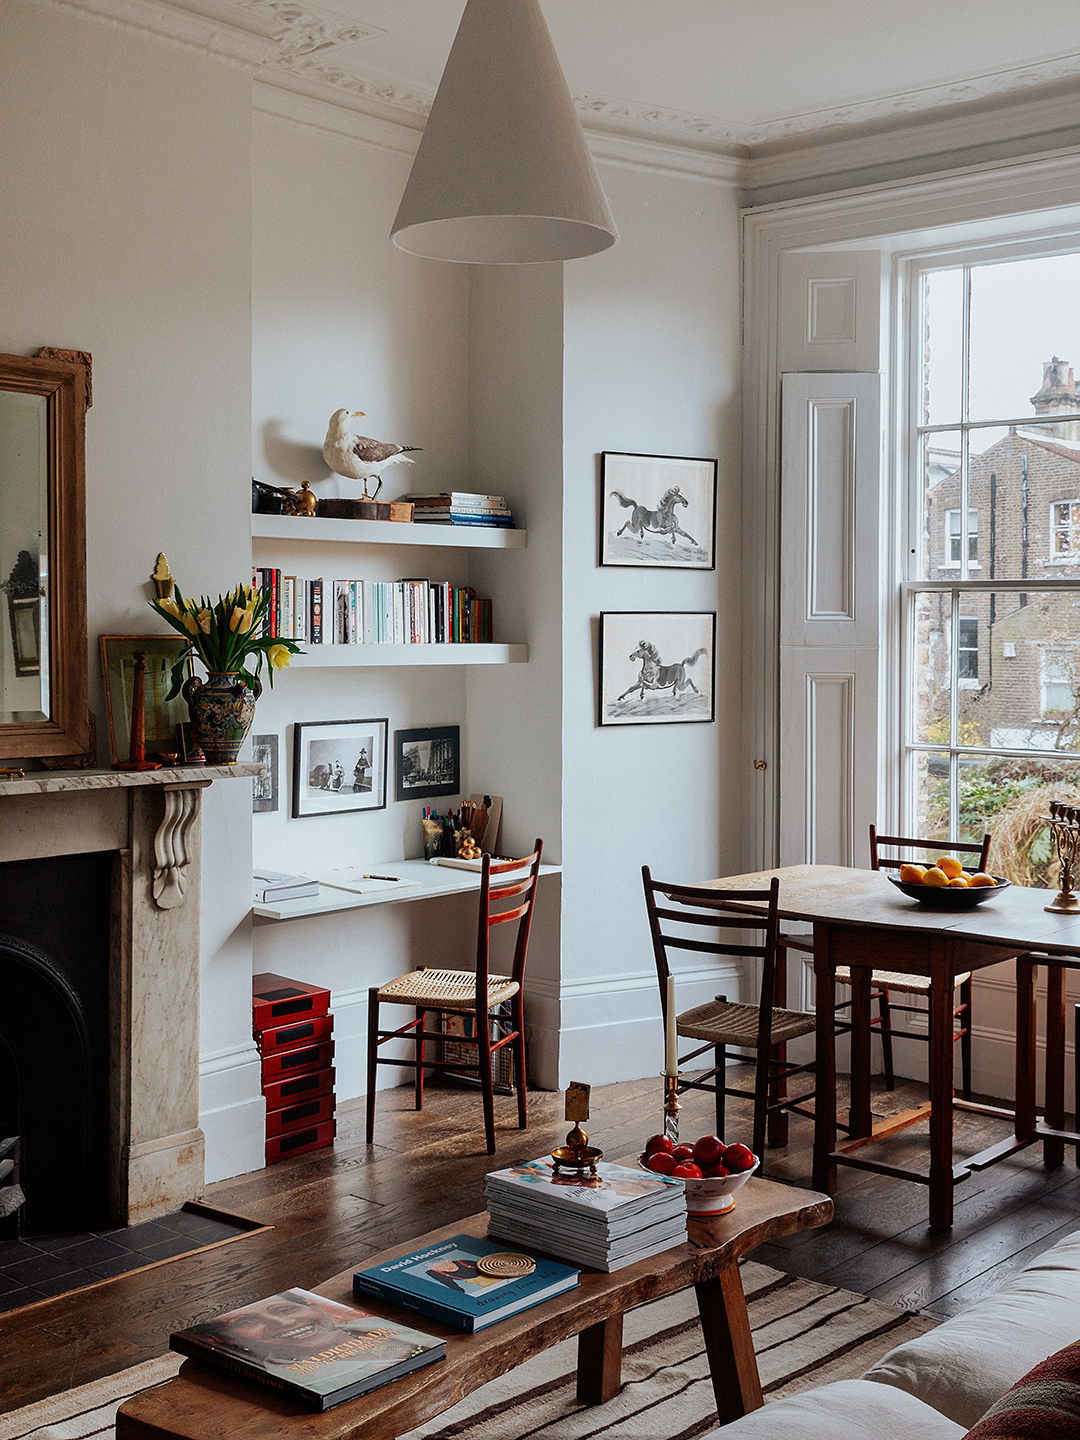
(845, 1410)
(963, 1366)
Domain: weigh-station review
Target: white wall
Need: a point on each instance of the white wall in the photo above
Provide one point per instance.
(125, 231)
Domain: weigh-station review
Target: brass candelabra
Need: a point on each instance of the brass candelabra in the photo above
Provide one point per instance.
(671, 1108)
(1064, 823)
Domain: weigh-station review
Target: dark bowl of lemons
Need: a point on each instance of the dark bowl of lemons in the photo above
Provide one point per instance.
(946, 885)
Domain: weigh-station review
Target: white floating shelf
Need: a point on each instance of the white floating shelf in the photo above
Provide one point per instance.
(385, 532)
(351, 655)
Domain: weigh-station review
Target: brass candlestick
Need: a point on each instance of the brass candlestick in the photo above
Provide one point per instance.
(577, 1156)
(671, 1108)
(1064, 823)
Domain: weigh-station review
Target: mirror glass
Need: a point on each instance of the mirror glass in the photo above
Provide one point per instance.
(24, 557)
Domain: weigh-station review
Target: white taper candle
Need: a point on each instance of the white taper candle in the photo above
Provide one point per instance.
(671, 1054)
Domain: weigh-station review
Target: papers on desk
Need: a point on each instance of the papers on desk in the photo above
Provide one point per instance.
(359, 883)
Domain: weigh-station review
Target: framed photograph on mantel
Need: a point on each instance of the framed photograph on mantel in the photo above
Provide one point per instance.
(657, 667)
(427, 762)
(338, 766)
(657, 511)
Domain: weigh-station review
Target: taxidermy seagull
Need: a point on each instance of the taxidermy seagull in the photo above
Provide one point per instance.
(356, 456)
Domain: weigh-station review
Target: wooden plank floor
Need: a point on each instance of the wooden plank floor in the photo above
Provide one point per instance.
(334, 1208)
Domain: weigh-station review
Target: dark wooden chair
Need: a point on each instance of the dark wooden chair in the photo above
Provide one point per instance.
(883, 982)
(505, 898)
(697, 919)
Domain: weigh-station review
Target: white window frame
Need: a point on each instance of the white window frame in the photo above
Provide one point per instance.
(907, 442)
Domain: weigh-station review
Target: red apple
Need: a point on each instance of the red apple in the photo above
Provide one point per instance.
(658, 1144)
(661, 1163)
(716, 1172)
(683, 1153)
(708, 1151)
(687, 1171)
(738, 1158)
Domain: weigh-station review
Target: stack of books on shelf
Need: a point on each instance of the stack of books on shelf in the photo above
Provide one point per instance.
(293, 1029)
(459, 507)
(446, 1281)
(625, 1216)
(373, 612)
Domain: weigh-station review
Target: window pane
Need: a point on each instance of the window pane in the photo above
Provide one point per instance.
(932, 668)
(930, 791)
(1024, 313)
(941, 498)
(943, 320)
(1024, 692)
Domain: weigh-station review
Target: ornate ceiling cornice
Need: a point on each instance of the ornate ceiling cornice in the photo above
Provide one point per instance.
(306, 48)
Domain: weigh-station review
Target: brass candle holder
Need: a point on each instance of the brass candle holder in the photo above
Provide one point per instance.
(577, 1158)
(671, 1108)
(1064, 823)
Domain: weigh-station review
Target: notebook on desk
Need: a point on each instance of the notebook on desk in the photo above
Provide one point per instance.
(358, 882)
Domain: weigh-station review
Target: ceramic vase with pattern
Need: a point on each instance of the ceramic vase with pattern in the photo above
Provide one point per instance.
(222, 708)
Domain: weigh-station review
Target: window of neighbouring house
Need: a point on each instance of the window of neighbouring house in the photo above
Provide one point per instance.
(1065, 530)
(1056, 682)
(993, 731)
(954, 539)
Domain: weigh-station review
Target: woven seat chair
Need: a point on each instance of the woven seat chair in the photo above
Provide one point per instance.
(680, 917)
(505, 898)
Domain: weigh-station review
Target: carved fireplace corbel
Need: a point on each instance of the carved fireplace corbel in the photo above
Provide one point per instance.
(172, 853)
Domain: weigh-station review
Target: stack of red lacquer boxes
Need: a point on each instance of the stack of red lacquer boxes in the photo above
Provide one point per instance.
(293, 1030)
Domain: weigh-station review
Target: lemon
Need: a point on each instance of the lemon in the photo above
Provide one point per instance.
(912, 874)
(958, 881)
(982, 878)
(950, 866)
(935, 876)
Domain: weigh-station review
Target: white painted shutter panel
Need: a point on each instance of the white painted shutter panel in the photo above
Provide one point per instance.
(829, 616)
(830, 310)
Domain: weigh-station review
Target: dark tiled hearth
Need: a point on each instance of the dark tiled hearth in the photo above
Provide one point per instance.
(54, 1264)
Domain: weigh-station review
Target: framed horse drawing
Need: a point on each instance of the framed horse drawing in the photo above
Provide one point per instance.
(657, 667)
(657, 511)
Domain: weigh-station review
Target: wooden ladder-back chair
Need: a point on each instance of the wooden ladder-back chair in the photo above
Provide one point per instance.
(884, 981)
(763, 1028)
(506, 897)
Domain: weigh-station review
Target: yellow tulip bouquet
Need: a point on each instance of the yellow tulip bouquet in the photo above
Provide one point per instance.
(225, 635)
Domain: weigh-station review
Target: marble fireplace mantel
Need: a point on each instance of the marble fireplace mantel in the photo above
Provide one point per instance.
(150, 820)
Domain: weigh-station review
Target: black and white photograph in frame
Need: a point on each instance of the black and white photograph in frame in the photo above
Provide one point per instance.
(264, 751)
(339, 766)
(657, 667)
(657, 511)
(427, 762)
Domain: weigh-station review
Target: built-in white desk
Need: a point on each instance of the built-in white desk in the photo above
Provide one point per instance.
(426, 881)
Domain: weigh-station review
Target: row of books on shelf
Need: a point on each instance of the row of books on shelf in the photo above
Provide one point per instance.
(373, 612)
(322, 1352)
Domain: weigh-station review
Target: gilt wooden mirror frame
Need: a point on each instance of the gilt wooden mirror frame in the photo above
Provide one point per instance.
(43, 714)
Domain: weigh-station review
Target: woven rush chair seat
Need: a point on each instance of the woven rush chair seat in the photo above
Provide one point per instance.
(446, 989)
(728, 1023)
(895, 980)
(493, 1003)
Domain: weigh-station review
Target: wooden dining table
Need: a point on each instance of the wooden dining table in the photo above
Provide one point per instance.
(862, 921)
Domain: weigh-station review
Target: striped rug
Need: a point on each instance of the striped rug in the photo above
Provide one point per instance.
(805, 1334)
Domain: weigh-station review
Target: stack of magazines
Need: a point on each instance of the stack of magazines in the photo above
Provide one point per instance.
(627, 1216)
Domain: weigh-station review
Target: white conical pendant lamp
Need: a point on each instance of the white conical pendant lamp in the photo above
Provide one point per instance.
(503, 175)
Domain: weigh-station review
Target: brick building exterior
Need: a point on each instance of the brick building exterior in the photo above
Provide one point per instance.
(1019, 653)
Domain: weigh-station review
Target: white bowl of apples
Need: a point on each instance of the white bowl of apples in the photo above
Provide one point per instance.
(710, 1170)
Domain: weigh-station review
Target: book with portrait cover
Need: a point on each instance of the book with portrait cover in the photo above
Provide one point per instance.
(311, 1349)
(443, 1281)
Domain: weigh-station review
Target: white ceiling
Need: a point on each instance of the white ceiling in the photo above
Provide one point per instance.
(718, 71)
